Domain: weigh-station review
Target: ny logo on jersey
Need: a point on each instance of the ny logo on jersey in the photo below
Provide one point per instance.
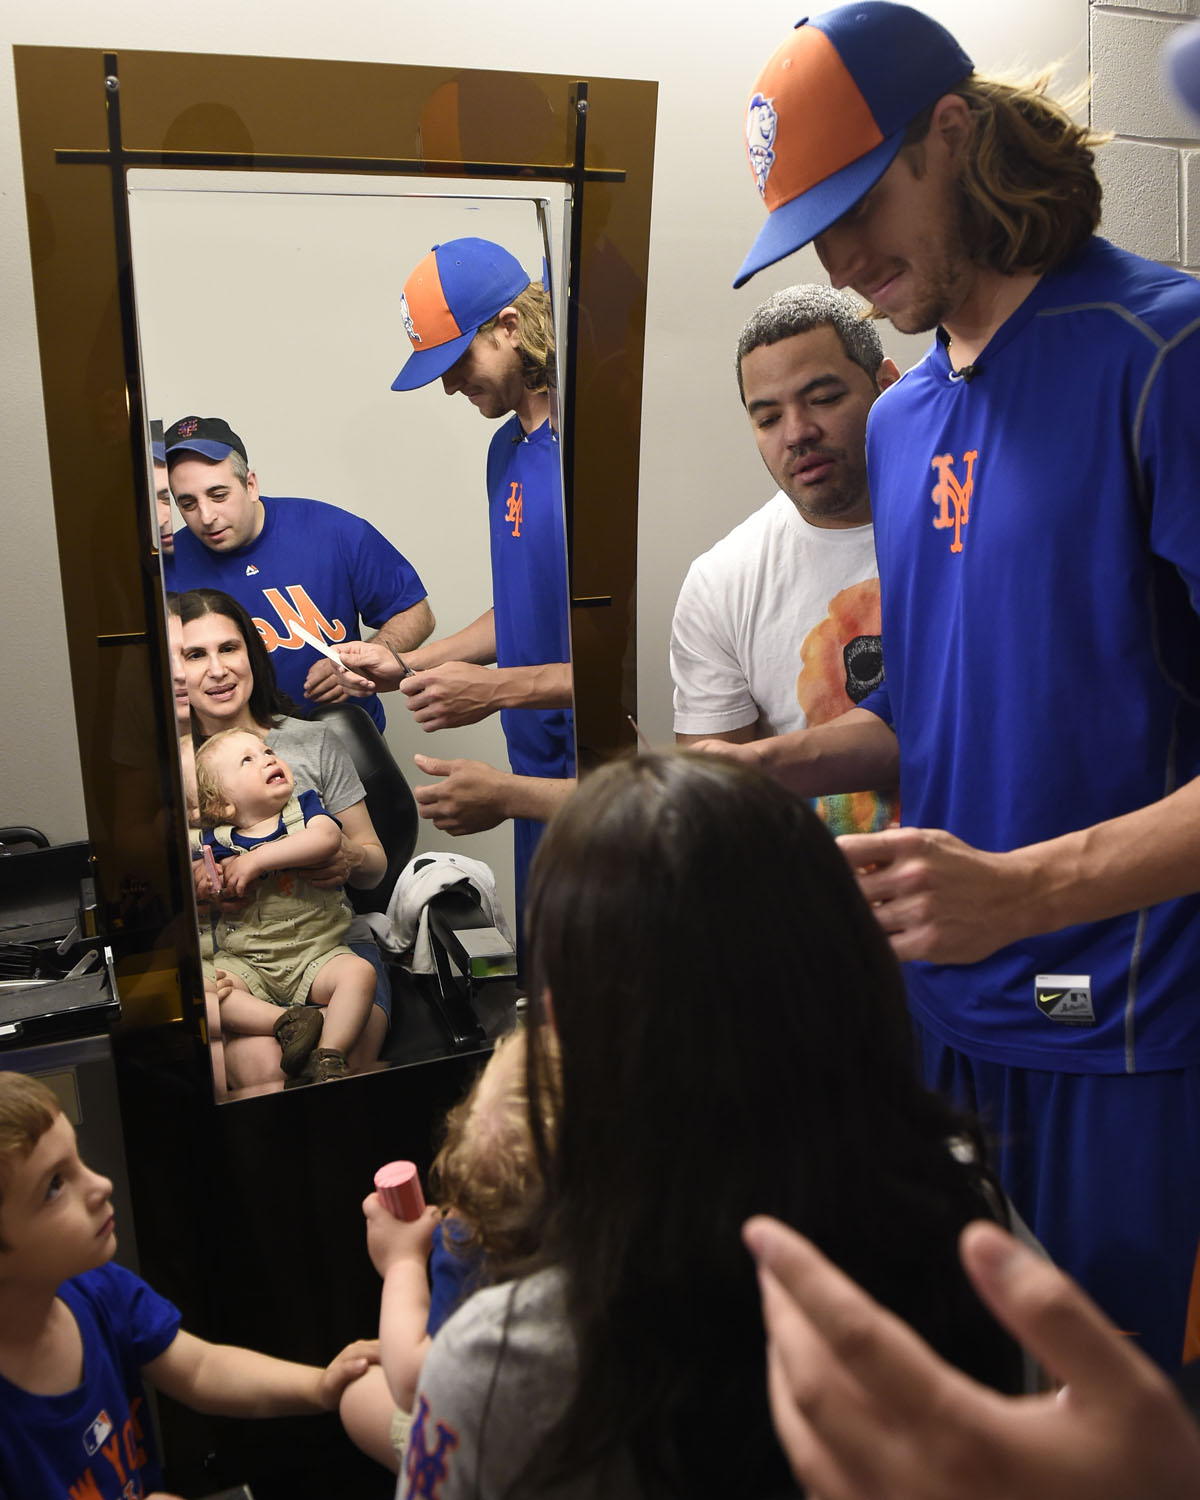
(949, 492)
(427, 1467)
(296, 609)
(515, 509)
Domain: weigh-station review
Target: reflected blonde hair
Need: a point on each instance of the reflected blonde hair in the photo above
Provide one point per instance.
(27, 1110)
(536, 346)
(1030, 194)
(486, 1173)
(212, 799)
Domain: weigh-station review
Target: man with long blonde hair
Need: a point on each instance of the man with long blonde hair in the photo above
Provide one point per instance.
(477, 323)
(1033, 481)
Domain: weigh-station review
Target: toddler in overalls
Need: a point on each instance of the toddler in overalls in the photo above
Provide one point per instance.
(283, 948)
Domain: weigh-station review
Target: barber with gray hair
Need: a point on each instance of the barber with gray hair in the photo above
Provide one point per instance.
(777, 627)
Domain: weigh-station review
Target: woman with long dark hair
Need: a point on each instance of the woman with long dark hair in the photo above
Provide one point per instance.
(231, 685)
(734, 1040)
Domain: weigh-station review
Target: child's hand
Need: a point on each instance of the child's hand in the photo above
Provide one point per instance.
(390, 1240)
(223, 985)
(239, 871)
(346, 1367)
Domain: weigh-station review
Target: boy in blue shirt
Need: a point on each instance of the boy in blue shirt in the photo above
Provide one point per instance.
(77, 1334)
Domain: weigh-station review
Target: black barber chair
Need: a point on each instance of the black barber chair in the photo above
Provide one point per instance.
(462, 988)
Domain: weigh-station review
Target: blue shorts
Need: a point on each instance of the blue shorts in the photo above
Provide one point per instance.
(1105, 1169)
(383, 984)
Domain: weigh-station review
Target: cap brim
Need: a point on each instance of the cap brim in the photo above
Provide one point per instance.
(159, 452)
(796, 224)
(205, 447)
(425, 365)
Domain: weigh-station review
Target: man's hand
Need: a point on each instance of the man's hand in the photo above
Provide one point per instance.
(468, 799)
(390, 1240)
(864, 1408)
(334, 873)
(367, 667)
(938, 898)
(449, 696)
(354, 1360)
(323, 683)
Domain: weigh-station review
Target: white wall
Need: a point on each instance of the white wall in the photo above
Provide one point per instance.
(1151, 169)
(700, 472)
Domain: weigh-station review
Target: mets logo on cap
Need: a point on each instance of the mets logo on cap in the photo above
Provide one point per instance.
(188, 426)
(761, 125)
(409, 326)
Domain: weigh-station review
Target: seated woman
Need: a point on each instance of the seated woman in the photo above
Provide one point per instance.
(231, 685)
(734, 1040)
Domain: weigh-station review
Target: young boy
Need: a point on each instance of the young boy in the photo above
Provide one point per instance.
(284, 947)
(77, 1333)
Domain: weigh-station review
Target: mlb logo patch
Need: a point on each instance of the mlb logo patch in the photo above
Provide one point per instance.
(1065, 998)
(97, 1433)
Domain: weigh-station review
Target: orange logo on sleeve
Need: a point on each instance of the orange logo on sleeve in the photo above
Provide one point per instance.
(949, 492)
(515, 509)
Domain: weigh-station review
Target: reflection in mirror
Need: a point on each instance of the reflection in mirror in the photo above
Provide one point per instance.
(279, 312)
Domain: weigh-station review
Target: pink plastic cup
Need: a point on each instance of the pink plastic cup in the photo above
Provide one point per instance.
(399, 1190)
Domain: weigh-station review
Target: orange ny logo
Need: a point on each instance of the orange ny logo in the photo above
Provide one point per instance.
(947, 491)
(515, 506)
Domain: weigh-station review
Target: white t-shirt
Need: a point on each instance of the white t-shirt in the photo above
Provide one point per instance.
(778, 626)
(773, 623)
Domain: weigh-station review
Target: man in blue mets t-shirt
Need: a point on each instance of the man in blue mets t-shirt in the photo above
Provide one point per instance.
(296, 565)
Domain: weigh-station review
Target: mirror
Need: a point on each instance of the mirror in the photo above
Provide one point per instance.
(273, 301)
(90, 121)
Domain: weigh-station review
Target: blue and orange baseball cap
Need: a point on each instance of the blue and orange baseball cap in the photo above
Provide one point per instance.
(828, 113)
(455, 289)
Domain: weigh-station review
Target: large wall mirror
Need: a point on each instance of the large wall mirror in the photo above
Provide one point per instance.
(179, 268)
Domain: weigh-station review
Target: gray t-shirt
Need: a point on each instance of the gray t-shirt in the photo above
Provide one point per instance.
(496, 1378)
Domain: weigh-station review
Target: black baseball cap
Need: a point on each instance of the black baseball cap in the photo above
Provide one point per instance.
(210, 437)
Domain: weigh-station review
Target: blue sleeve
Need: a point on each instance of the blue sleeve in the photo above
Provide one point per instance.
(384, 581)
(312, 807)
(1168, 456)
(143, 1323)
(878, 703)
(453, 1276)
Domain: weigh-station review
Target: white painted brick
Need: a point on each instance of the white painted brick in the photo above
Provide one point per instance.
(1190, 215)
(1141, 198)
(1190, 7)
(1129, 93)
(1167, 7)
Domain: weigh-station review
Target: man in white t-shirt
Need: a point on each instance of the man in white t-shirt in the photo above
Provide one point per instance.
(777, 627)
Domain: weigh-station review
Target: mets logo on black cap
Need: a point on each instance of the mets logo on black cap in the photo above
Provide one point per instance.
(409, 326)
(188, 426)
(761, 125)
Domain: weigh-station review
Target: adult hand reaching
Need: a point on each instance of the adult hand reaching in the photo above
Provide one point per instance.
(938, 898)
(468, 798)
(865, 1409)
(449, 696)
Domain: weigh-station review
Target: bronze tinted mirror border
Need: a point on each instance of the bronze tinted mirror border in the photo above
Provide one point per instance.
(206, 110)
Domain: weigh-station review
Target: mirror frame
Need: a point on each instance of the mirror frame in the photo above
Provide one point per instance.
(86, 118)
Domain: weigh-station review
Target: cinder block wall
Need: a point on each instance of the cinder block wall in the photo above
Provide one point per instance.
(1151, 169)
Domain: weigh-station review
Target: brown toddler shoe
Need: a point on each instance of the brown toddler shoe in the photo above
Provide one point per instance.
(297, 1031)
(327, 1063)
